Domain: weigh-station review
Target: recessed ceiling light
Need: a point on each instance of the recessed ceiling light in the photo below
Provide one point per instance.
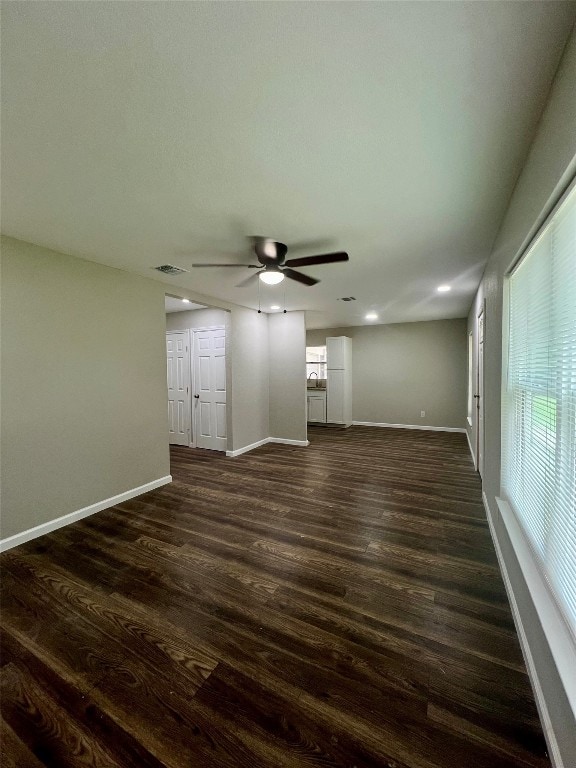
(186, 301)
(274, 306)
(443, 288)
(371, 316)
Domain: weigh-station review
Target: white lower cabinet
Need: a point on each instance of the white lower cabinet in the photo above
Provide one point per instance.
(317, 407)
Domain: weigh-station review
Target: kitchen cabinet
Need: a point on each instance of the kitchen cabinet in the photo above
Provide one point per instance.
(316, 406)
(335, 397)
(339, 352)
(339, 380)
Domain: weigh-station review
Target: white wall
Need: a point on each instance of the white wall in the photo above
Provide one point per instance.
(549, 167)
(83, 384)
(401, 369)
(287, 350)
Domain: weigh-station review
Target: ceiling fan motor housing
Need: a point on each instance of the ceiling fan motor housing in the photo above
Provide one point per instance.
(269, 252)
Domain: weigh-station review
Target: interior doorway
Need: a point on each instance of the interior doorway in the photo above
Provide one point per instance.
(479, 395)
(199, 374)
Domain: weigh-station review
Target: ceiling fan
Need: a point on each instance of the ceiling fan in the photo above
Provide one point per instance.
(273, 266)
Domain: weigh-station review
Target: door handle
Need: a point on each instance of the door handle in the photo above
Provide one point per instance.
(477, 397)
(197, 397)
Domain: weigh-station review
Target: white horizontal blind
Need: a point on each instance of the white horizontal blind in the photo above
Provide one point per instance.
(539, 402)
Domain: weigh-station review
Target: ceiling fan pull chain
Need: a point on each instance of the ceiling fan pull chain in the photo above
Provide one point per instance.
(259, 308)
(284, 298)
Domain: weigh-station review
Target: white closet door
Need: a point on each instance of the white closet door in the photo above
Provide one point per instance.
(210, 389)
(178, 379)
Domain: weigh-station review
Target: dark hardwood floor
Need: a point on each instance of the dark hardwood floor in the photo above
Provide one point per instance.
(337, 605)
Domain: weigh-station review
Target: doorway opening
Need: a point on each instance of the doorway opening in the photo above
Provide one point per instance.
(479, 395)
(197, 375)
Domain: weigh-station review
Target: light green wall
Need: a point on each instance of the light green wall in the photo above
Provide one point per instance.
(83, 384)
(401, 369)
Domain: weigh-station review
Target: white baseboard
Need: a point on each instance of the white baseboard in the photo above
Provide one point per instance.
(265, 441)
(470, 446)
(72, 517)
(305, 443)
(284, 441)
(407, 426)
(247, 448)
(551, 740)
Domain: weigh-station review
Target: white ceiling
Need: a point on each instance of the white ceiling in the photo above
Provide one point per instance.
(136, 134)
(174, 304)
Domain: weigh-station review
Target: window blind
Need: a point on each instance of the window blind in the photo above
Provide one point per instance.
(539, 402)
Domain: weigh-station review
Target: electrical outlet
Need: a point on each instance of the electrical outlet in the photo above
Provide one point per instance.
(422, 414)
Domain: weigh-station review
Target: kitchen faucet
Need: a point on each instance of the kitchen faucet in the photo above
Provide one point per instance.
(313, 374)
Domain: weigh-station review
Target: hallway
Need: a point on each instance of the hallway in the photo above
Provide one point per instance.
(336, 605)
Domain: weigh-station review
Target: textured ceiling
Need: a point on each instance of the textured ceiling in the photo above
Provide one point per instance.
(140, 133)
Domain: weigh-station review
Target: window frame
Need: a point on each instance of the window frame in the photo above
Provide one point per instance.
(554, 621)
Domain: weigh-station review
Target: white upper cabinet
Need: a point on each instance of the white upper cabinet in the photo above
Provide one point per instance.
(338, 352)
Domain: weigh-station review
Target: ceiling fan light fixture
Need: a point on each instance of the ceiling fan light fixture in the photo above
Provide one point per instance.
(271, 276)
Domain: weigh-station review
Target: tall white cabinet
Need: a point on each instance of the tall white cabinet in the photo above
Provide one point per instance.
(339, 380)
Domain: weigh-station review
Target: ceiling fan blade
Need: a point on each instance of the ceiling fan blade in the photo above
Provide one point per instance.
(250, 266)
(322, 258)
(299, 277)
(249, 280)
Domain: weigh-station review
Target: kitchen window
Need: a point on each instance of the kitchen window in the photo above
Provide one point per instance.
(316, 362)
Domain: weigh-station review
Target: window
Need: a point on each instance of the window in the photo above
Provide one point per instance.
(539, 402)
(316, 362)
(470, 379)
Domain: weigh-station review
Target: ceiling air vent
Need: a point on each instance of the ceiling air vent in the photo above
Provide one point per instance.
(348, 298)
(170, 269)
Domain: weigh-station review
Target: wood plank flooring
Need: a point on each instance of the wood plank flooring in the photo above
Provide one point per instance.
(336, 605)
